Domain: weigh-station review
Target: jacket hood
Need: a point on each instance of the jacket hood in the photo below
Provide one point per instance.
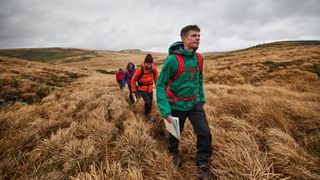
(178, 48)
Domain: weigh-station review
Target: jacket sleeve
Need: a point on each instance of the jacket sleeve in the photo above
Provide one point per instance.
(201, 90)
(168, 70)
(117, 77)
(134, 80)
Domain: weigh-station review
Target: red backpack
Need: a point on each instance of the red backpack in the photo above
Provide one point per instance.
(181, 69)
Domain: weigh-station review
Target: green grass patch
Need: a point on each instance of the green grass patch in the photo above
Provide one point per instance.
(44, 54)
(315, 69)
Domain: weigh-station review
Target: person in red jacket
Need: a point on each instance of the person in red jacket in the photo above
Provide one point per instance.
(146, 75)
(119, 78)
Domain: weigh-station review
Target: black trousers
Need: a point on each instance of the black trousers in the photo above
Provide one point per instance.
(130, 94)
(147, 97)
(200, 125)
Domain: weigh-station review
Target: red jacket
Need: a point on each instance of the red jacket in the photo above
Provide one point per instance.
(119, 76)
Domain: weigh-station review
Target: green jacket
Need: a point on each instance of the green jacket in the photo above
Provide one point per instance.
(182, 86)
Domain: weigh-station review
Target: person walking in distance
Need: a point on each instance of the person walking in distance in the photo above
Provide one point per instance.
(119, 78)
(145, 76)
(180, 93)
(128, 77)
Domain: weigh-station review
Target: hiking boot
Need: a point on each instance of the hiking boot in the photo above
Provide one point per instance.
(205, 174)
(176, 161)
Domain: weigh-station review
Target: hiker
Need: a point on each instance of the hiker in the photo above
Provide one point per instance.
(127, 77)
(180, 93)
(119, 78)
(145, 76)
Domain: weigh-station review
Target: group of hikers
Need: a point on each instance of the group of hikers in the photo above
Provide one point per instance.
(140, 82)
(179, 93)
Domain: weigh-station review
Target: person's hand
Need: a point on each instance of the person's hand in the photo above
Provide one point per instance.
(134, 98)
(168, 118)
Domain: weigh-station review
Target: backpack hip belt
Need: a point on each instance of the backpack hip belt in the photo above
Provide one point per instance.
(144, 84)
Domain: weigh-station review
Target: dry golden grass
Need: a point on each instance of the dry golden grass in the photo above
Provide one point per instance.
(264, 118)
(115, 60)
(294, 66)
(29, 82)
(242, 117)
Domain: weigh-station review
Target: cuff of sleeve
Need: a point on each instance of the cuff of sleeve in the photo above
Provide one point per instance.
(169, 114)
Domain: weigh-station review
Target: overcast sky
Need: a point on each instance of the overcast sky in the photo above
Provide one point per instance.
(154, 24)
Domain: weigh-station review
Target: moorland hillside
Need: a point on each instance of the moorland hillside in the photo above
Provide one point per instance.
(60, 118)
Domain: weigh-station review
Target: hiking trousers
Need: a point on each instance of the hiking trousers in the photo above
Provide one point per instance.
(121, 85)
(147, 97)
(130, 94)
(200, 125)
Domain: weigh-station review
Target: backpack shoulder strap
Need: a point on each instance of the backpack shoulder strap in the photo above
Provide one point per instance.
(152, 70)
(199, 61)
(141, 73)
(180, 60)
(180, 66)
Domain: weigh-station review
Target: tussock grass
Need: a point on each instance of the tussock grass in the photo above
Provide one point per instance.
(26, 82)
(286, 155)
(237, 128)
(135, 145)
(262, 107)
(110, 171)
(237, 156)
(293, 65)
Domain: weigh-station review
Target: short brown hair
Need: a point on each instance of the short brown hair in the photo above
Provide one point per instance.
(185, 30)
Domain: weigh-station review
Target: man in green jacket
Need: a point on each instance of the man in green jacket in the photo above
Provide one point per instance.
(180, 94)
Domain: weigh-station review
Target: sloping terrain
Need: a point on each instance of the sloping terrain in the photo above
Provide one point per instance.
(29, 82)
(263, 107)
(293, 64)
(49, 55)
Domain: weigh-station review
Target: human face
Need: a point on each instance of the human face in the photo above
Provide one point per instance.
(149, 65)
(192, 40)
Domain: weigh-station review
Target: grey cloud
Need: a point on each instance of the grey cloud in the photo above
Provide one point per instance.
(154, 25)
